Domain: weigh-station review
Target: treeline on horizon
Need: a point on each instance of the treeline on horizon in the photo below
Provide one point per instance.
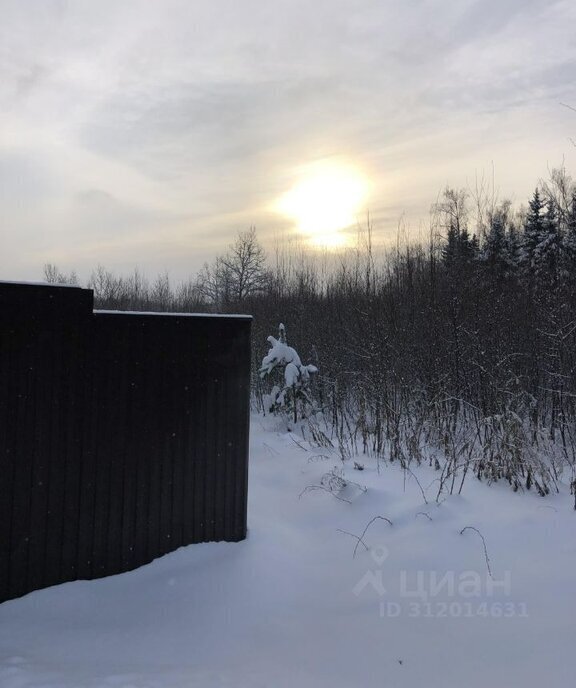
(458, 350)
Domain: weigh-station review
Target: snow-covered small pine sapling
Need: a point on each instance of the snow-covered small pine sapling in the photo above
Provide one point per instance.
(296, 377)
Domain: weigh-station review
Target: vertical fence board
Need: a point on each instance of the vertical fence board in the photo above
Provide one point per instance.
(198, 493)
(22, 502)
(90, 415)
(167, 439)
(54, 451)
(219, 465)
(181, 413)
(134, 436)
(73, 446)
(105, 379)
(154, 452)
(7, 409)
(39, 455)
(117, 398)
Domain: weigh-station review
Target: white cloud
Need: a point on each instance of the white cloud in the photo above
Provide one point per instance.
(188, 117)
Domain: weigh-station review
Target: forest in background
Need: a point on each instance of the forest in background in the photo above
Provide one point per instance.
(458, 350)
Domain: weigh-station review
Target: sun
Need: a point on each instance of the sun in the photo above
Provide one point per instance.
(324, 201)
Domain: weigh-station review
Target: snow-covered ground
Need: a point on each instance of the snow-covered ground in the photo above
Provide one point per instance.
(292, 606)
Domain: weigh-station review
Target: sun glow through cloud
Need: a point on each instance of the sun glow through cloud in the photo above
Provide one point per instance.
(326, 200)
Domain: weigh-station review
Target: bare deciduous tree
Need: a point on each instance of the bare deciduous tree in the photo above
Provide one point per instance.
(53, 275)
(239, 274)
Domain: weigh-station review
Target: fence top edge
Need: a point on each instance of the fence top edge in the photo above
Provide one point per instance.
(49, 285)
(237, 316)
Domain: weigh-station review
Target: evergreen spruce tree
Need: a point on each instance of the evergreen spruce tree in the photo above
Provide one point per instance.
(513, 250)
(450, 250)
(295, 386)
(531, 238)
(547, 253)
(569, 254)
(494, 255)
(467, 247)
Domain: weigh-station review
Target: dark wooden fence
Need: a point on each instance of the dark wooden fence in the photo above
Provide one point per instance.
(122, 436)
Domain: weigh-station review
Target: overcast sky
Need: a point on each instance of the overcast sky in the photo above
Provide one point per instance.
(149, 132)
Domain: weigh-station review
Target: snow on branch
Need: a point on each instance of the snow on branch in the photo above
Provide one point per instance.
(296, 375)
